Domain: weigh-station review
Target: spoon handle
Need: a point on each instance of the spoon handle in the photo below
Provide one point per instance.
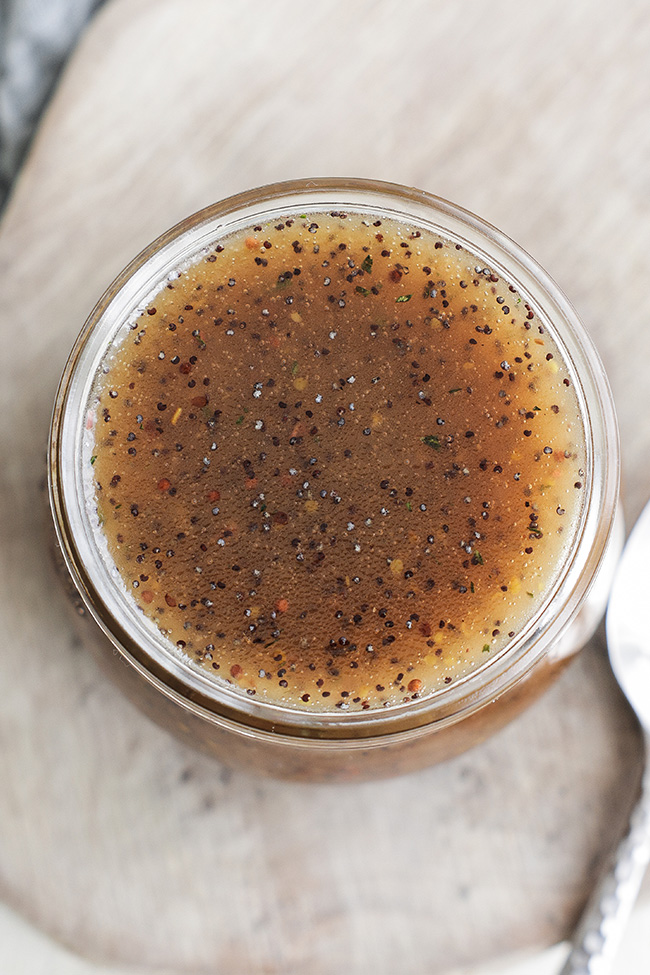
(601, 926)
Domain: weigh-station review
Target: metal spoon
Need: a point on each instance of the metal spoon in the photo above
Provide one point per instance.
(601, 926)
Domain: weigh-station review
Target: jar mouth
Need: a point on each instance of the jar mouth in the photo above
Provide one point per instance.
(135, 638)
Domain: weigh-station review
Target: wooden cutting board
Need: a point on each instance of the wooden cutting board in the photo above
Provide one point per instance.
(114, 838)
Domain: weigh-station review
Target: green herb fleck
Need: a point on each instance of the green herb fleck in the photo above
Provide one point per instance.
(536, 532)
(362, 291)
(366, 264)
(486, 648)
(431, 441)
(403, 298)
(409, 506)
(530, 594)
(294, 369)
(478, 558)
(537, 408)
(93, 458)
(458, 389)
(471, 587)
(239, 420)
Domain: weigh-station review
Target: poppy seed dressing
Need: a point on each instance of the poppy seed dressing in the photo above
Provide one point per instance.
(338, 461)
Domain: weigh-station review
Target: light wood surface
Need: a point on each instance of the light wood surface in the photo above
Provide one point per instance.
(114, 839)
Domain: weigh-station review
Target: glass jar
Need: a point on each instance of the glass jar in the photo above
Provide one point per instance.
(267, 737)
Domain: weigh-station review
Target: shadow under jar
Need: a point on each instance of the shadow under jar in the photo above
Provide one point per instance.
(334, 466)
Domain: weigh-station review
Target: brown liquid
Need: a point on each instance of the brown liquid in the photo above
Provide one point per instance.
(338, 462)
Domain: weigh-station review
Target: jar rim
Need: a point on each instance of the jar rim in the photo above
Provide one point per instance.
(182, 245)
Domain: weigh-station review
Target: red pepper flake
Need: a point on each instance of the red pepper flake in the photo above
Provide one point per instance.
(282, 605)
(199, 401)
(279, 518)
(214, 496)
(250, 482)
(236, 671)
(415, 685)
(169, 599)
(185, 368)
(147, 596)
(164, 484)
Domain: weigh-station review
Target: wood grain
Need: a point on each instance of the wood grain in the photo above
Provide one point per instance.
(115, 839)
